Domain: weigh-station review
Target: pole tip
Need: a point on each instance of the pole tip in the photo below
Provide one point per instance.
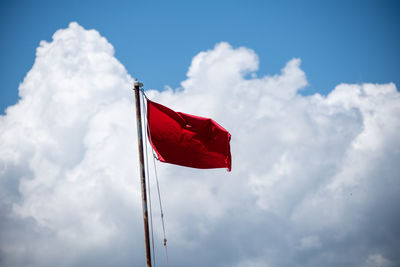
(136, 83)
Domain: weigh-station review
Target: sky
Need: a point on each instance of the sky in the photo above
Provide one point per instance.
(309, 92)
(338, 41)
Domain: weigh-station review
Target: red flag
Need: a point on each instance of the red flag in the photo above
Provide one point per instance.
(187, 140)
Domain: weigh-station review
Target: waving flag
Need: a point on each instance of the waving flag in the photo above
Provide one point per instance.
(187, 140)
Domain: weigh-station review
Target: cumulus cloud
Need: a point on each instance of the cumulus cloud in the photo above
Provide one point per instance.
(314, 181)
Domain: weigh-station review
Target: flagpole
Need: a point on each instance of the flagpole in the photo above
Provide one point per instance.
(137, 86)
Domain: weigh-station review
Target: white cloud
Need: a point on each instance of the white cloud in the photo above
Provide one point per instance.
(313, 182)
(377, 260)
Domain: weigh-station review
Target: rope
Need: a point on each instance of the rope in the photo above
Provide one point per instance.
(161, 210)
(148, 183)
(157, 182)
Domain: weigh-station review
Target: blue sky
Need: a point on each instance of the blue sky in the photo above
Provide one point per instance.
(337, 41)
(314, 181)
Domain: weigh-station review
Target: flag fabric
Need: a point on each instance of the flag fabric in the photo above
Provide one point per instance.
(187, 140)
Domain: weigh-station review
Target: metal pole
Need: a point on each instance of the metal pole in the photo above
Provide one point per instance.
(137, 86)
